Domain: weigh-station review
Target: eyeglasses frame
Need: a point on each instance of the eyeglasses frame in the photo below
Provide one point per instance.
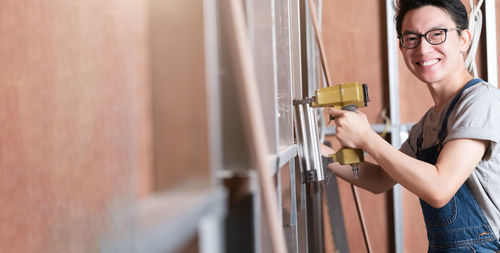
(420, 35)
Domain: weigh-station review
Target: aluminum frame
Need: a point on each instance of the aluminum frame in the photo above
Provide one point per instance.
(393, 73)
(491, 42)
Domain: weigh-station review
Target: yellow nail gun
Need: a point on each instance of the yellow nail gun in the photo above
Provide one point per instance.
(346, 96)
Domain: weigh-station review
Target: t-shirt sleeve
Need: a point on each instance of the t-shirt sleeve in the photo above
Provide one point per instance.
(477, 115)
(409, 147)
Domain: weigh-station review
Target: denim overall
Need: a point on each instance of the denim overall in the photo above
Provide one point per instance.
(460, 225)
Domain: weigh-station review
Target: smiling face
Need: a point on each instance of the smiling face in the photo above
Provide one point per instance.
(434, 63)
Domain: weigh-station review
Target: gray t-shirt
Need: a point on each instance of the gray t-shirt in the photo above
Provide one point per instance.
(476, 116)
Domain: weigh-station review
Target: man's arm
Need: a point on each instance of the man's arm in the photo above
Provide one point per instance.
(435, 184)
(371, 176)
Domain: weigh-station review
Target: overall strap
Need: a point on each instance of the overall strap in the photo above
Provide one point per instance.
(444, 128)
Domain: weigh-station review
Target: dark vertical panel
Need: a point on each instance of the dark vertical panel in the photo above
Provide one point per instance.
(239, 229)
(314, 217)
(300, 195)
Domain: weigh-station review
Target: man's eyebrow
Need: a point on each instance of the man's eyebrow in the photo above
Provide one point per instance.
(432, 28)
(409, 31)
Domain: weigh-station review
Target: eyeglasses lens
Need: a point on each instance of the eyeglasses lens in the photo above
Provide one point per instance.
(434, 37)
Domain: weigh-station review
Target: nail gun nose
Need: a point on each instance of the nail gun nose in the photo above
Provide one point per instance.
(331, 118)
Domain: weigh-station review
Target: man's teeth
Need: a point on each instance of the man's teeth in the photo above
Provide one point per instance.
(427, 63)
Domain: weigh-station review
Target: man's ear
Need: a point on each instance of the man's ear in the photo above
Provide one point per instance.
(465, 39)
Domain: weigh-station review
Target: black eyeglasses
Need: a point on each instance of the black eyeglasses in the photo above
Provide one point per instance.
(434, 37)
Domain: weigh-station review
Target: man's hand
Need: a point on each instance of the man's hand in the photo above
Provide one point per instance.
(352, 128)
(325, 150)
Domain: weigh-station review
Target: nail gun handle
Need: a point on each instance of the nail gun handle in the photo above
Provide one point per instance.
(352, 156)
(351, 108)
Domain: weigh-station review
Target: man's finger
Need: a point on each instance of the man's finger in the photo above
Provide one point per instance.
(336, 112)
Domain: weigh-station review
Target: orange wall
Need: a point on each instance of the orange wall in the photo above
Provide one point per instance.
(179, 94)
(354, 37)
(75, 129)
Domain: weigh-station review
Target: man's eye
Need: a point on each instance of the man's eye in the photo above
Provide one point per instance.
(411, 39)
(437, 34)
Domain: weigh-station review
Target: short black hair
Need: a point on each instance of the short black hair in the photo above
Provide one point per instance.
(454, 8)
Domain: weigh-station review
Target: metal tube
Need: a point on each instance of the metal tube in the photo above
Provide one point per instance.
(306, 130)
(313, 138)
(301, 134)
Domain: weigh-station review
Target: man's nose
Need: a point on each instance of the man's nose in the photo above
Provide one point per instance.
(424, 45)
